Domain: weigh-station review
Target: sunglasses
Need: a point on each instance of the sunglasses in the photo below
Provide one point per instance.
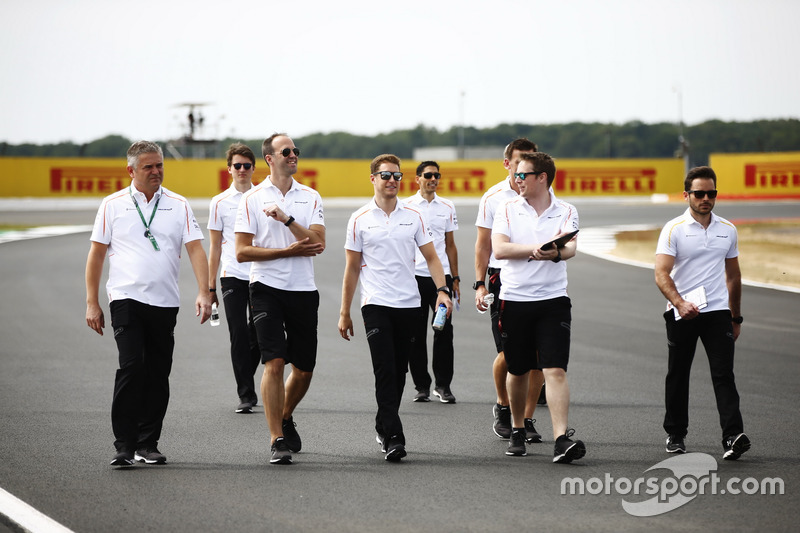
(385, 175)
(702, 194)
(429, 175)
(523, 175)
(286, 151)
(246, 166)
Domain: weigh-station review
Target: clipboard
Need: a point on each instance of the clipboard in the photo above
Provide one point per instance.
(560, 242)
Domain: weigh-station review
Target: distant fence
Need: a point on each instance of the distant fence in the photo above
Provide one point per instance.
(745, 175)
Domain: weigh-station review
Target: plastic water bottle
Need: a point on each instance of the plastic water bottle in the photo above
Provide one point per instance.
(487, 301)
(441, 317)
(214, 315)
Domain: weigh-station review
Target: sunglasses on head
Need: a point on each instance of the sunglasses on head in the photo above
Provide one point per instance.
(429, 175)
(702, 194)
(246, 166)
(385, 175)
(286, 151)
(523, 175)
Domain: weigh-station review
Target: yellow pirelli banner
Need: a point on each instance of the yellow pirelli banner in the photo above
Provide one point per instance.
(75, 177)
(757, 175)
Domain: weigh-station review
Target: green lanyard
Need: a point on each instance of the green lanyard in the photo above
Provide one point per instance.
(147, 232)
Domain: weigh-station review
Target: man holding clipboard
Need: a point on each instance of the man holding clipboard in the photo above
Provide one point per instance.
(535, 311)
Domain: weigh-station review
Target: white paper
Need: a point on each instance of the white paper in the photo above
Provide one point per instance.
(696, 296)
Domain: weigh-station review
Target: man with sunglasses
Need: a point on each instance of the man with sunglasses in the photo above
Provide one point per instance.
(535, 310)
(697, 270)
(487, 262)
(280, 227)
(235, 276)
(440, 214)
(380, 246)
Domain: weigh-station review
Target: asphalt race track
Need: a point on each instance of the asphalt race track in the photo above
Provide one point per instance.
(56, 381)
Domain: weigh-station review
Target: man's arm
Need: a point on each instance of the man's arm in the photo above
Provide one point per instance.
(352, 269)
(246, 251)
(452, 257)
(505, 249)
(197, 256)
(733, 278)
(663, 268)
(94, 271)
(437, 273)
(483, 252)
(214, 254)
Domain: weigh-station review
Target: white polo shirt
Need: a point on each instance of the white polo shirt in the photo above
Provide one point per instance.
(301, 202)
(387, 245)
(524, 281)
(700, 256)
(440, 214)
(497, 195)
(222, 217)
(136, 270)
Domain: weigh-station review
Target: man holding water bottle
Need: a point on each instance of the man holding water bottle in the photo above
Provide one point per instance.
(380, 246)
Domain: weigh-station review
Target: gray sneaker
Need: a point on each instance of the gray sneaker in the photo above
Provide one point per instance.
(423, 395)
(280, 453)
(516, 445)
(291, 436)
(566, 450)
(150, 456)
(122, 458)
(735, 446)
(531, 435)
(675, 444)
(444, 395)
(502, 421)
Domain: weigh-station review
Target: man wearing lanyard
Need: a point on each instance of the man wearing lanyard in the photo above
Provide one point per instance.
(698, 255)
(380, 246)
(280, 227)
(235, 276)
(442, 221)
(142, 228)
(487, 262)
(535, 311)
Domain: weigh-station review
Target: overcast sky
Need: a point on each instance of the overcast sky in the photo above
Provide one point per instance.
(79, 70)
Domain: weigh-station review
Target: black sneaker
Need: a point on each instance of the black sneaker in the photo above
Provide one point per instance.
(531, 435)
(122, 458)
(567, 450)
(444, 395)
(502, 421)
(150, 456)
(423, 395)
(516, 445)
(245, 408)
(395, 450)
(291, 436)
(380, 439)
(280, 453)
(542, 397)
(735, 446)
(675, 444)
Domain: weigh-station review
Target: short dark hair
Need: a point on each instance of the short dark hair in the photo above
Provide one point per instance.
(424, 164)
(266, 146)
(383, 158)
(242, 150)
(541, 163)
(522, 145)
(699, 172)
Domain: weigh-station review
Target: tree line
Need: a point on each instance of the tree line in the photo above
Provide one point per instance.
(572, 140)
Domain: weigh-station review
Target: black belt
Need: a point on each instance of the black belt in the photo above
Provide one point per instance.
(492, 271)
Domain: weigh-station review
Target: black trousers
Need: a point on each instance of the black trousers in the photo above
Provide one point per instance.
(145, 340)
(390, 341)
(245, 355)
(443, 353)
(715, 331)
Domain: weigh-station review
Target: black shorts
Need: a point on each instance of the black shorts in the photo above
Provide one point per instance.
(536, 334)
(286, 324)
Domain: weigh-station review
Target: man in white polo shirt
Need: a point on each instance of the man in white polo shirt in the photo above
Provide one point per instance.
(487, 263)
(235, 276)
(535, 311)
(697, 270)
(380, 246)
(440, 214)
(280, 227)
(142, 228)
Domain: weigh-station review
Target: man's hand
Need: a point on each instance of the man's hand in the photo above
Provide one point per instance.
(303, 248)
(346, 327)
(95, 318)
(202, 306)
(687, 310)
(480, 294)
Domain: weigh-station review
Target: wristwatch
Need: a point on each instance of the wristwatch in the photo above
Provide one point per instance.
(558, 258)
(737, 319)
(478, 284)
(445, 289)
